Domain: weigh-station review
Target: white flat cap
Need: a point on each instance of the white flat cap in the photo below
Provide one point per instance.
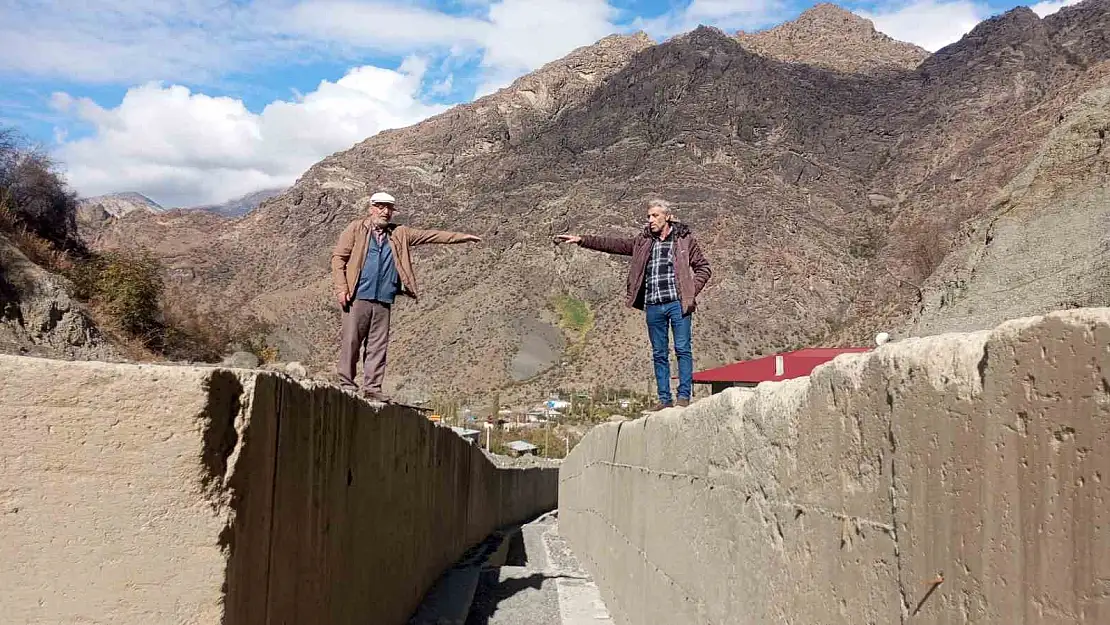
(381, 198)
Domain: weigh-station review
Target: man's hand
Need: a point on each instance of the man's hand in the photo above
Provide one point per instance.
(567, 238)
(342, 297)
(471, 238)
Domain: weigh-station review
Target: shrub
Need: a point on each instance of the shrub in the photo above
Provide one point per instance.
(128, 286)
(192, 337)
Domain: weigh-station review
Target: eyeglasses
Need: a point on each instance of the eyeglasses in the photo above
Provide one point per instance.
(383, 205)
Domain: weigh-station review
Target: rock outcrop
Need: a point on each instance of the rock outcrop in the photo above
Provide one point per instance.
(1043, 245)
(952, 478)
(834, 38)
(39, 316)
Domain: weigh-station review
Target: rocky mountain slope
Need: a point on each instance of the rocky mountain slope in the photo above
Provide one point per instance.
(825, 196)
(1043, 244)
(120, 204)
(97, 212)
(830, 37)
(237, 207)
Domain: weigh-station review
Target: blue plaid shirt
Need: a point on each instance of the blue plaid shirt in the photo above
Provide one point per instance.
(660, 286)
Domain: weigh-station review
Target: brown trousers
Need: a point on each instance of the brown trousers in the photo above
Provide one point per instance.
(366, 330)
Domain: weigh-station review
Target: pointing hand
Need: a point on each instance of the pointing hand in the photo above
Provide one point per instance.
(472, 238)
(567, 238)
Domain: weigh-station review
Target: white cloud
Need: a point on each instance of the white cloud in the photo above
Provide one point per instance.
(525, 34)
(122, 41)
(1044, 9)
(198, 41)
(381, 25)
(183, 148)
(728, 15)
(514, 36)
(929, 23)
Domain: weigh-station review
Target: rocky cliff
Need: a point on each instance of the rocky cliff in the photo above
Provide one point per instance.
(39, 316)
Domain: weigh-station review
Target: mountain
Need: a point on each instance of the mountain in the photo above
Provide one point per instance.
(833, 38)
(830, 200)
(97, 212)
(240, 206)
(120, 204)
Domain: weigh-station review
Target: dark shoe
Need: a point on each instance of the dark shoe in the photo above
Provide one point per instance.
(683, 402)
(658, 407)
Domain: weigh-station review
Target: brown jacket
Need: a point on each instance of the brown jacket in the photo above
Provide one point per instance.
(691, 269)
(350, 253)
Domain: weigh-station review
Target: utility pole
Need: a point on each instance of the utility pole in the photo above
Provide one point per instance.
(546, 438)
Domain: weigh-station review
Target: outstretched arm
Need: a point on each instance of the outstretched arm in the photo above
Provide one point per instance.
(420, 237)
(700, 266)
(340, 254)
(610, 245)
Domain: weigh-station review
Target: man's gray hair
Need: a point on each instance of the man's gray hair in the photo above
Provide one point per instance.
(660, 203)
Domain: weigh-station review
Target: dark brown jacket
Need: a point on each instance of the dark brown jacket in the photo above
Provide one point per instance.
(691, 269)
(350, 253)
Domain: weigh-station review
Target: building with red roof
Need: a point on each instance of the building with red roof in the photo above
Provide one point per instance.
(775, 367)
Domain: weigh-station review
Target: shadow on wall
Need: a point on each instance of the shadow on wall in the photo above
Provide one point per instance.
(369, 507)
(148, 494)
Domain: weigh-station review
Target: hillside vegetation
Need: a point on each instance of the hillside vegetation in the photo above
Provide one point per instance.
(60, 298)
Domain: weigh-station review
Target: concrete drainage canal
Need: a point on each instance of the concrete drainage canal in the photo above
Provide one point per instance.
(520, 575)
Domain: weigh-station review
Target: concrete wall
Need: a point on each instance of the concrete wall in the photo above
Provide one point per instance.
(982, 460)
(149, 494)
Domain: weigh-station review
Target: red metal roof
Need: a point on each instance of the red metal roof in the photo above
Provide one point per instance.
(794, 365)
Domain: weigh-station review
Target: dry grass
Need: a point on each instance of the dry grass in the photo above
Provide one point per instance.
(34, 247)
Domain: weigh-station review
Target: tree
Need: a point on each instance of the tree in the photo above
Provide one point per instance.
(33, 190)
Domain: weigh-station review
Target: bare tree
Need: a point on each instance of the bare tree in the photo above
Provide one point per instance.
(35, 192)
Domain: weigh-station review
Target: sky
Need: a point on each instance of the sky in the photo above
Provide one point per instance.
(199, 101)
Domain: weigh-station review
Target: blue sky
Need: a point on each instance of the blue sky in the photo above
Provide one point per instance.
(198, 101)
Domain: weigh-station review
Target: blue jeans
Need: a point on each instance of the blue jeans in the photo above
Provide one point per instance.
(660, 317)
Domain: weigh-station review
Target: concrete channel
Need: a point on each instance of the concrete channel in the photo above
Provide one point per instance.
(520, 575)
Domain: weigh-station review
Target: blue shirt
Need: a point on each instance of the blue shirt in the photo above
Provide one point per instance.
(378, 280)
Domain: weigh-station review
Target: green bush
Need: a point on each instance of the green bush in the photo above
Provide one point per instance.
(128, 287)
(574, 314)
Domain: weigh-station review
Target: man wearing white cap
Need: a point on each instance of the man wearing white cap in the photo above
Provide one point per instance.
(370, 265)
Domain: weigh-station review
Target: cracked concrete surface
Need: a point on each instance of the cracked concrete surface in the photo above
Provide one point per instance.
(948, 479)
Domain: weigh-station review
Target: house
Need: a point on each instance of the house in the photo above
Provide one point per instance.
(775, 367)
(473, 436)
(557, 404)
(520, 448)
